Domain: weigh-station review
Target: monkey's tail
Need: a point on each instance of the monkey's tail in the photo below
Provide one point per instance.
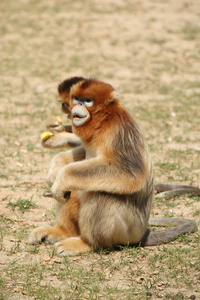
(158, 237)
(171, 190)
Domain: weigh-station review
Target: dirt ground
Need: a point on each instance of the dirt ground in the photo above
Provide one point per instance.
(150, 52)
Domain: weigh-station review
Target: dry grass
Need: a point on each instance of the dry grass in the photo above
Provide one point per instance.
(149, 51)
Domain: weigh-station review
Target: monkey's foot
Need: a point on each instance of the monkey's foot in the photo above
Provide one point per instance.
(71, 246)
(47, 234)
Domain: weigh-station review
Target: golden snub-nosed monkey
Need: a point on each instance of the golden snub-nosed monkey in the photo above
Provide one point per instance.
(104, 185)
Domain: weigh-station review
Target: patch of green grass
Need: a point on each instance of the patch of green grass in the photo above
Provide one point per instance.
(4, 176)
(157, 41)
(33, 249)
(30, 146)
(165, 89)
(70, 279)
(3, 288)
(196, 198)
(168, 166)
(188, 238)
(191, 31)
(22, 204)
(5, 225)
(196, 213)
(16, 248)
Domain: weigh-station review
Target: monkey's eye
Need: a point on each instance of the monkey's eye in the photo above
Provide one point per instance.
(75, 100)
(88, 102)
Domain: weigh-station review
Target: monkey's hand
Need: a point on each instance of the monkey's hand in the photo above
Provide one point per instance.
(58, 161)
(62, 159)
(58, 189)
(60, 136)
(59, 192)
(57, 126)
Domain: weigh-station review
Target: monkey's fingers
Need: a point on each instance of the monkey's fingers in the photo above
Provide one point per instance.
(55, 126)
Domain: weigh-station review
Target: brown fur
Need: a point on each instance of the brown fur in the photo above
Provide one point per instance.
(67, 223)
(110, 176)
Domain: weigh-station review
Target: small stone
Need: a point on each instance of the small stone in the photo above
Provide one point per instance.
(57, 260)
(159, 284)
(46, 258)
(14, 229)
(192, 297)
(153, 287)
(43, 283)
(19, 165)
(40, 89)
(139, 280)
(170, 123)
(24, 292)
(179, 296)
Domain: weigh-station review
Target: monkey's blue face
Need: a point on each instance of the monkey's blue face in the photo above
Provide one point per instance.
(88, 99)
(80, 113)
(88, 102)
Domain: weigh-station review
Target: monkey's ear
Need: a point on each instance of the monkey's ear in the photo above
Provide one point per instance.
(65, 86)
(114, 96)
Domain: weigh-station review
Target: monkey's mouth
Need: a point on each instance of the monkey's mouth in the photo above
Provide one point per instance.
(79, 118)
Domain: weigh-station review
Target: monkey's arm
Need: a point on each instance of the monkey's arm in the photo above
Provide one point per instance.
(96, 175)
(62, 140)
(63, 136)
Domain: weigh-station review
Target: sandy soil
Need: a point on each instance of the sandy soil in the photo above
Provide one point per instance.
(148, 50)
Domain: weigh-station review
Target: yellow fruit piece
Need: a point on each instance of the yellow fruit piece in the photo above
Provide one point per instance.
(58, 118)
(45, 135)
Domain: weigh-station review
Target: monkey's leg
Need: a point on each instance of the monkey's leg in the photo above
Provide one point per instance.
(47, 234)
(72, 246)
(67, 215)
(171, 190)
